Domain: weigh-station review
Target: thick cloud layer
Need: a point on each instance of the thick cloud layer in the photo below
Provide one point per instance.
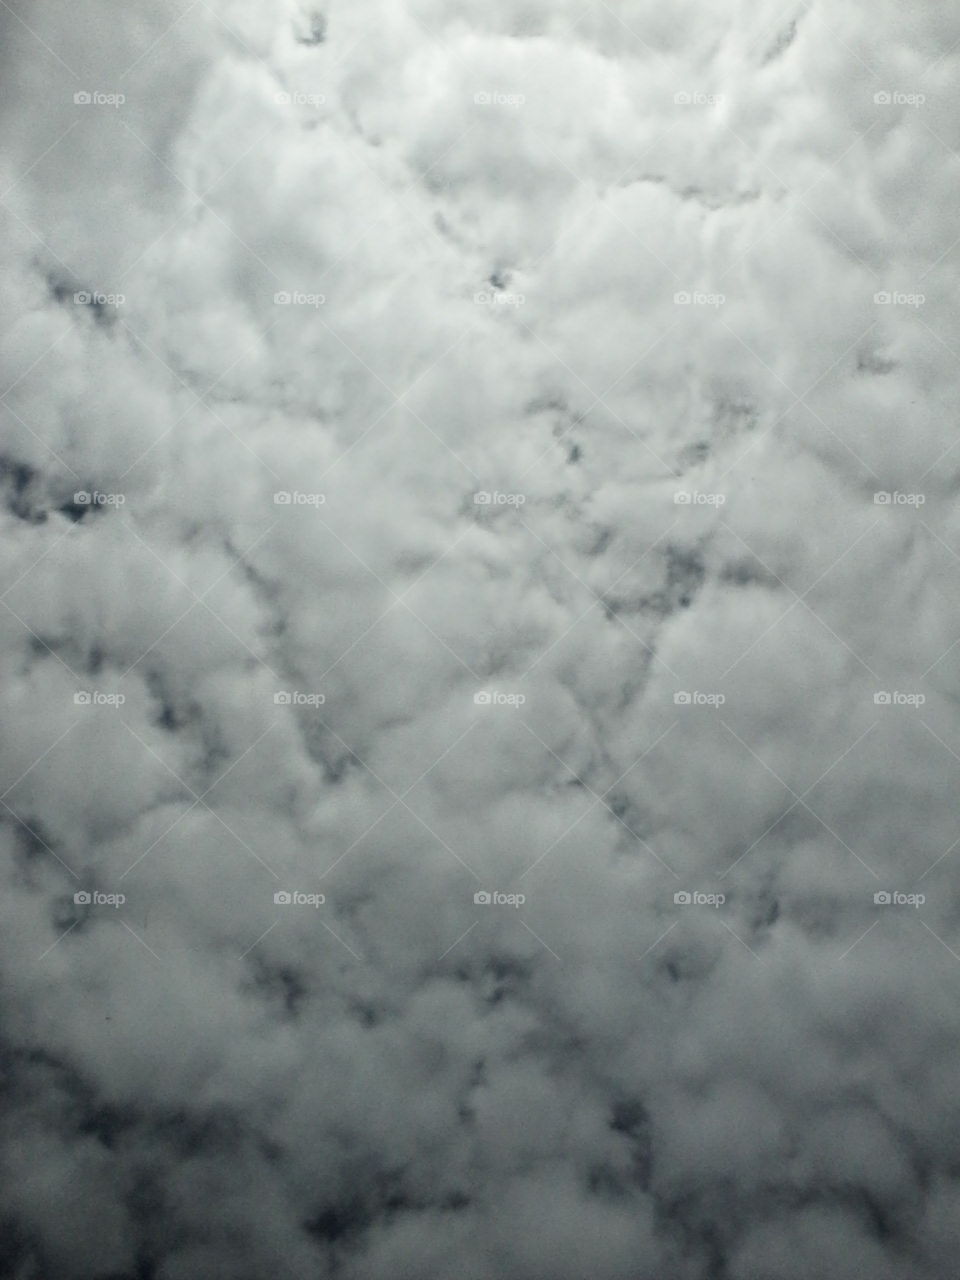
(481, 586)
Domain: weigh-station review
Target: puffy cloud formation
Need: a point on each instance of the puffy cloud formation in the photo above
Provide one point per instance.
(481, 586)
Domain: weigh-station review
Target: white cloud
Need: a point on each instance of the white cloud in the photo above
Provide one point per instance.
(618, 271)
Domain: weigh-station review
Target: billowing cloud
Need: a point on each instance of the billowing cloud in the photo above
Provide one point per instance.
(479, 637)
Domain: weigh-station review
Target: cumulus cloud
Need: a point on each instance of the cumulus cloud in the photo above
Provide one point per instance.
(479, 641)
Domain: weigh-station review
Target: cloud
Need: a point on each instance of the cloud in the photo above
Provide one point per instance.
(478, 629)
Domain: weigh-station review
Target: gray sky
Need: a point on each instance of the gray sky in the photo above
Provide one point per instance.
(481, 587)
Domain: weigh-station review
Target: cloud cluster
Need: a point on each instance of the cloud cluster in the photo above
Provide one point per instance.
(479, 640)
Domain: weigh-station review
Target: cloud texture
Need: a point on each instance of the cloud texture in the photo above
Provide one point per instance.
(492, 468)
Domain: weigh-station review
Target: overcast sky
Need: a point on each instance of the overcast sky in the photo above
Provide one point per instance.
(480, 640)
